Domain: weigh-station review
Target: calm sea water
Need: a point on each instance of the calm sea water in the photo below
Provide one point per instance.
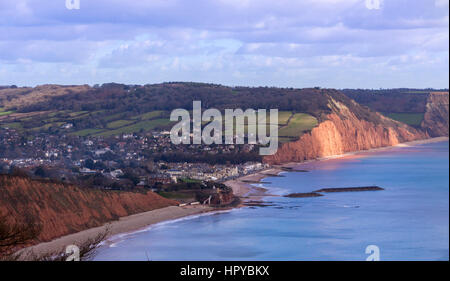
(409, 220)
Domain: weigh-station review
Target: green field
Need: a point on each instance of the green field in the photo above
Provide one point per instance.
(114, 117)
(47, 126)
(77, 113)
(283, 117)
(56, 113)
(187, 180)
(14, 125)
(111, 124)
(298, 124)
(177, 195)
(412, 119)
(137, 127)
(290, 125)
(149, 115)
(87, 132)
(118, 124)
(3, 113)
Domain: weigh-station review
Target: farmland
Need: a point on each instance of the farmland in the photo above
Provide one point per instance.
(84, 123)
(298, 124)
(4, 113)
(412, 119)
(101, 123)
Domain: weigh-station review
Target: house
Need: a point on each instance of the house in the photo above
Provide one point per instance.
(158, 179)
(116, 173)
(87, 171)
(99, 152)
(174, 172)
(67, 126)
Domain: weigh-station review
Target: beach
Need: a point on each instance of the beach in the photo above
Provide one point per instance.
(242, 187)
(406, 220)
(123, 225)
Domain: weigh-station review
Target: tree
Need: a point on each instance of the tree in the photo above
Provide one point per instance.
(14, 235)
(87, 250)
(89, 163)
(40, 172)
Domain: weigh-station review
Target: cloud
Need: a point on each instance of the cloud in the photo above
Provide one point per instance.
(46, 51)
(284, 42)
(441, 3)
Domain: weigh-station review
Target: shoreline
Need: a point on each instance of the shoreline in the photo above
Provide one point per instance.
(348, 155)
(243, 187)
(123, 226)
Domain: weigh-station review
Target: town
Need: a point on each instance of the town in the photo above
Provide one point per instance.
(123, 162)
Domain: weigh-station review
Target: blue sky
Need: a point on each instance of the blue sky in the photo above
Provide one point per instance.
(295, 43)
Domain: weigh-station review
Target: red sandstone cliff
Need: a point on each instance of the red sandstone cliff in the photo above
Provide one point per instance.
(63, 209)
(342, 131)
(435, 121)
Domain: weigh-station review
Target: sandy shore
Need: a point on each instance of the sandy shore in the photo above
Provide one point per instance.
(123, 225)
(242, 187)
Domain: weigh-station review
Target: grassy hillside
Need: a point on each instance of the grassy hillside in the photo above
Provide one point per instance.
(408, 106)
(412, 119)
(114, 109)
(391, 100)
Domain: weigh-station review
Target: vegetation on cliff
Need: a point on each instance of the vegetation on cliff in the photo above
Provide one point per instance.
(62, 209)
(344, 130)
(436, 120)
(115, 108)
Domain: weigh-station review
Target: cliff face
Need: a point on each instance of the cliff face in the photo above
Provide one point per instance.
(341, 132)
(224, 197)
(64, 209)
(435, 121)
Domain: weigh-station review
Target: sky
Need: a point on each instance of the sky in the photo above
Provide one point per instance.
(295, 43)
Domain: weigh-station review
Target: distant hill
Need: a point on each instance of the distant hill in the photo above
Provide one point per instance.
(343, 131)
(426, 109)
(391, 100)
(436, 118)
(113, 109)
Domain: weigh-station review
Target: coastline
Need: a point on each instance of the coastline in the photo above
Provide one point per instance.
(124, 225)
(246, 191)
(242, 187)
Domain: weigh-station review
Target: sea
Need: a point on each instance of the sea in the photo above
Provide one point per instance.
(408, 220)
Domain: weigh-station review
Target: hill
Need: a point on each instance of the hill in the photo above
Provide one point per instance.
(63, 209)
(435, 121)
(344, 131)
(425, 109)
(113, 109)
(334, 120)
